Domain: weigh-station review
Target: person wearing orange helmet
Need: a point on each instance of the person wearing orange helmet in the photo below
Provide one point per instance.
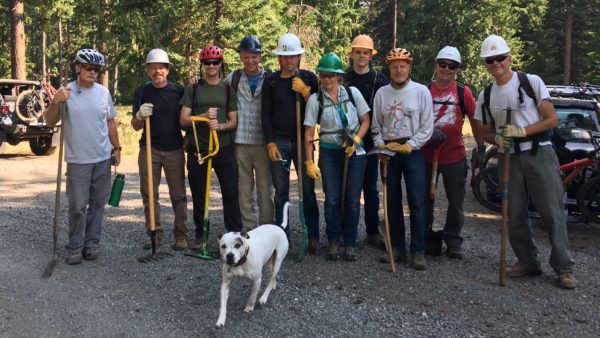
(517, 115)
(368, 82)
(403, 123)
(213, 99)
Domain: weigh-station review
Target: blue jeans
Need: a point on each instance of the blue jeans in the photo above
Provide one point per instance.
(281, 181)
(331, 163)
(412, 167)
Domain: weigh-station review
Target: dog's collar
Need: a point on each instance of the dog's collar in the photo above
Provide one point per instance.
(243, 258)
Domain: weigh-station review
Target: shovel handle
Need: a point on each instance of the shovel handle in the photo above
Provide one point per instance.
(388, 239)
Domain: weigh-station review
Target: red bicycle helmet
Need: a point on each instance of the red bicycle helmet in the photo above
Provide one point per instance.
(211, 52)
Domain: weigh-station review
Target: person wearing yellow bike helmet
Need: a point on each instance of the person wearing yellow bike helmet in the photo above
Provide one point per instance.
(403, 123)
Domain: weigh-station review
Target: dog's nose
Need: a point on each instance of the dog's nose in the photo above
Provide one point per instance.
(229, 257)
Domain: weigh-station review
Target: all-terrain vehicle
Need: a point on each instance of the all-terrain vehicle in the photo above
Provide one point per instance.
(22, 104)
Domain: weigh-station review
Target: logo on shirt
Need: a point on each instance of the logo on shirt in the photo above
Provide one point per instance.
(445, 114)
(398, 115)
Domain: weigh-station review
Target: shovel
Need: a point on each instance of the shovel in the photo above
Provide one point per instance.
(213, 142)
(154, 256)
(433, 239)
(504, 228)
(55, 255)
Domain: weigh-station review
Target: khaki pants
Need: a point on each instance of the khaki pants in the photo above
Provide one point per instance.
(254, 167)
(173, 164)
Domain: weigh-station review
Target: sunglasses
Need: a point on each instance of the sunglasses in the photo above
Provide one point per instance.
(211, 62)
(326, 75)
(498, 58)
(451, 66)
(91, 69)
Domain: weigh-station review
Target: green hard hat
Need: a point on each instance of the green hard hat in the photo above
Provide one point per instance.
(330, 63)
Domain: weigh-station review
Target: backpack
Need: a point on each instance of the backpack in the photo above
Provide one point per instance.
(320, 100)
(523, 84)
(460, 89)
(526, 86)
(237, 75)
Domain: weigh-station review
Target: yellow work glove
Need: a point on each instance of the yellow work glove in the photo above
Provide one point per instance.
(351, 148)
(510, 130)
(504, 142)
(300, 87)
(384, 158)
(273, 152)
(312, 171)
(405, 148)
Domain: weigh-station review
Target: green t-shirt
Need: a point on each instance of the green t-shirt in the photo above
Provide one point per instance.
(207, 96)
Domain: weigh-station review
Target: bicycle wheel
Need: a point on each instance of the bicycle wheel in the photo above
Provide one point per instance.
(485, 188)
(29, 106)
(588, 199)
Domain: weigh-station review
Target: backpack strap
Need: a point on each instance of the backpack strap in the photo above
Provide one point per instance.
(485, 107)
(460, 90)
(235, 79)
(526, 85)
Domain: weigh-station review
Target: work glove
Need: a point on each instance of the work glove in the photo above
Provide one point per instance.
(438, 136)
(504, 142)
(273, 152)
(478, 156)
(405, 148)
(300, 87)
(384, 158)
(144, 111)
(351, 149)
(311, 170)
(509, 130)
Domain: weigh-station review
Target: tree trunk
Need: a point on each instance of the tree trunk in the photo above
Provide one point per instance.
(395, 27)
(568, 42)
(18, 42)
(218, 13)
(44, 69)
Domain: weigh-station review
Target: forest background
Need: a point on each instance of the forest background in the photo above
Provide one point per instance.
(557, 39)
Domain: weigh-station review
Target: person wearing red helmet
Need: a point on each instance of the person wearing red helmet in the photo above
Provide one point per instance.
(403, 123)
(213, 99)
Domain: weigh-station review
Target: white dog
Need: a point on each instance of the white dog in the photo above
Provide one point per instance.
(245, 255)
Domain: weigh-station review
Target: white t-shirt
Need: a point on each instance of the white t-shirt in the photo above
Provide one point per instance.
(85, 124)
(404, 112)
(506, 97)
(331, 124)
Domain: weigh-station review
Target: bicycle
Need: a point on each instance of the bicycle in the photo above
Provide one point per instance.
(579, 177)
(31, 104)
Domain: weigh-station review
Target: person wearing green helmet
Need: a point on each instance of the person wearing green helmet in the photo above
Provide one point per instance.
(342, 113)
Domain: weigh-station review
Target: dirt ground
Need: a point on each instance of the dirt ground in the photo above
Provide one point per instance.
(117, 296)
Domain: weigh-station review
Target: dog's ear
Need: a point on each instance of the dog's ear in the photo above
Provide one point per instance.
(244, 234)
(219, 237)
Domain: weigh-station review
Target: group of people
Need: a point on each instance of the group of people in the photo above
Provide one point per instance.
(409, 126)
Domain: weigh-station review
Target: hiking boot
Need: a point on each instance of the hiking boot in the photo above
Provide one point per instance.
(148, 242)
(519, 270)
(418, 262)
(566, 280)
(350, 255)
(90, 254)
(313, 246)
(73, 259)
(399, 256)
(333, 253)
(454, 251)
(375, 241)
(181, 244)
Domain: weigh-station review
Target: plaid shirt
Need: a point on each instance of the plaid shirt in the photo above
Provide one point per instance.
(249, 128)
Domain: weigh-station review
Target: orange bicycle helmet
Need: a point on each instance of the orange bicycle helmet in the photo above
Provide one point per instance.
(398, 54)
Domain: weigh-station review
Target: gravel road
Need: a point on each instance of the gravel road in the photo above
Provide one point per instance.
(116, 296)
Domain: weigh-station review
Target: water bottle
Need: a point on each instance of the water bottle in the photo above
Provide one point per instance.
(117, 190)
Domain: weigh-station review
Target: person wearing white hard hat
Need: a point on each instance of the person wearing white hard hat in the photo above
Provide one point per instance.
(452, 102)
(158, 100)
(91, 138)
(367, 81)
(517, 115)
(279, 126)
(403, 123)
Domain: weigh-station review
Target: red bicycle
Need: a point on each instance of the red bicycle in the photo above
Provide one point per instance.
(31, 104)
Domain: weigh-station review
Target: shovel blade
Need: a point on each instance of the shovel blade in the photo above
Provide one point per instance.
(433, 242)
(155, 257)
(50, 267)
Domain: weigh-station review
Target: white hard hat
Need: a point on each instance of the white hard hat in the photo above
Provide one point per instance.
(449, 53)
(289, 44)
(493, 45)
(158, 56)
